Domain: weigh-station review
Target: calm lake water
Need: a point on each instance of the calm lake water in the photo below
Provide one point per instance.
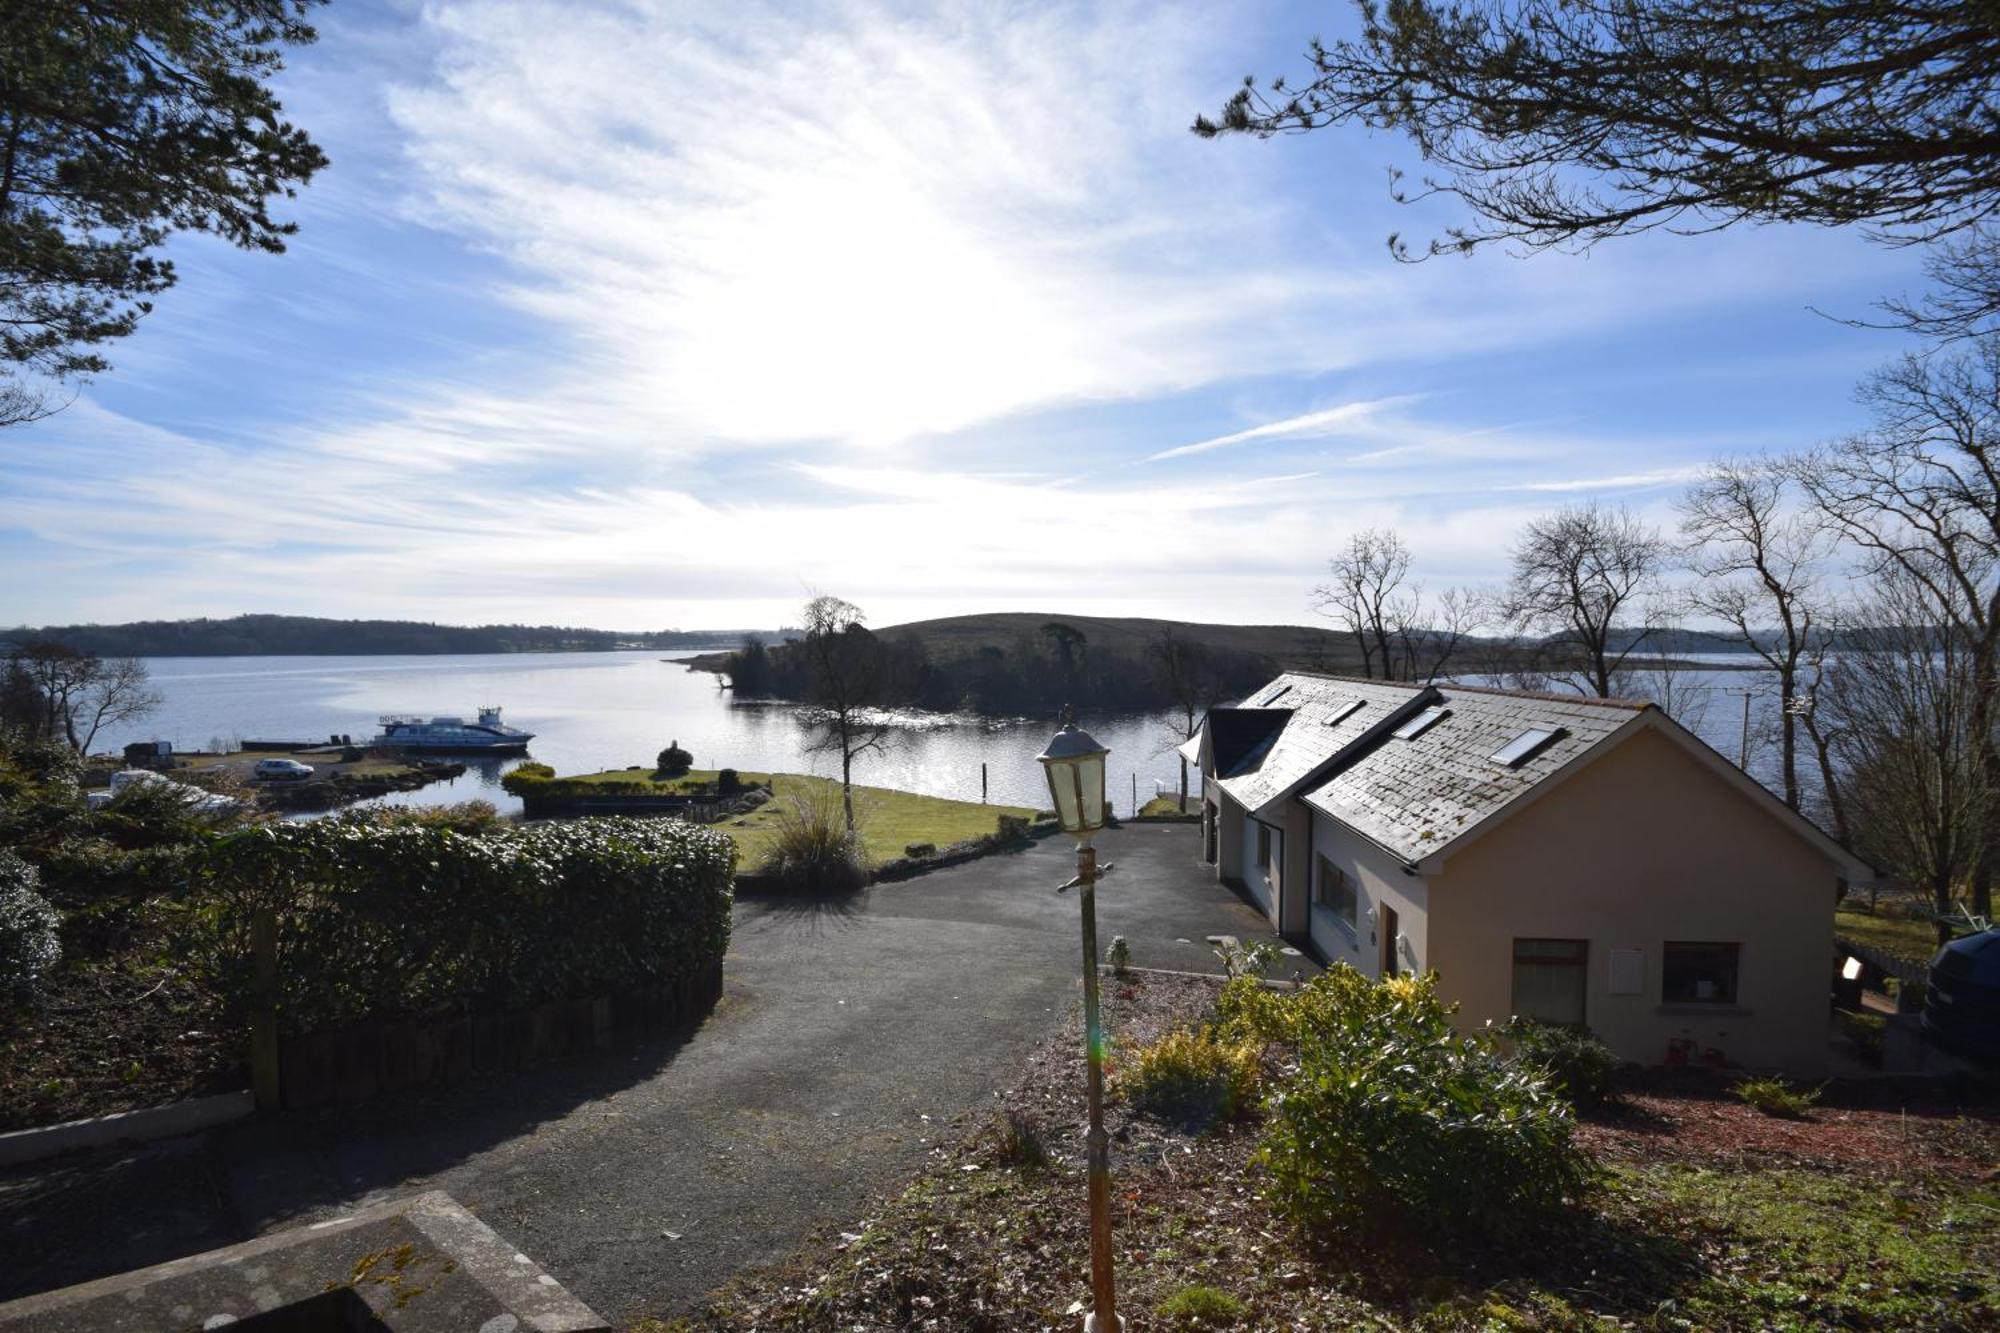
(593, 711)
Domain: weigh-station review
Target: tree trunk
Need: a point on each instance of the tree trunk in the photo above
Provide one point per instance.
(1788, 734)
(847, 783)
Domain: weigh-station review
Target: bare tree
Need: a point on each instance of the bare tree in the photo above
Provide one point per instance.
(1903, 697)
(76, 694)
(1576, 572)
(1429, 633)
(1672, 683)
(1367, 578)
(1192, 685)
(1919, 495)
(844, 674)
(1758, 559)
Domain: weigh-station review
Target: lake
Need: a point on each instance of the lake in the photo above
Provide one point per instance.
(593, 711)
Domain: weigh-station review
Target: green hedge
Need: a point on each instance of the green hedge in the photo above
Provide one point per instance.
(417, 921)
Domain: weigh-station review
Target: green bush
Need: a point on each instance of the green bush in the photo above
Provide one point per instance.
(29, 944)
(462, 817)
(674, 761)
(1194, 1079)
(1202, 1307)
(1867, 1031)
(411, 920)
(528, 779)
(1775, 1097)
(1581, 1067)
(728, 782)
(1390, 1122)
(811, 851)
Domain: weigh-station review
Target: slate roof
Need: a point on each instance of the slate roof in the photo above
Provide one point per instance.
(1318, 722)
(1414, 797)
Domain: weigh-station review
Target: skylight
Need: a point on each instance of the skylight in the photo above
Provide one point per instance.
(1421, 723)
(1526, 746)
(1274, 696)
(1342, 711)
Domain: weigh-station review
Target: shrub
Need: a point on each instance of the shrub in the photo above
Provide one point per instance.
(1867, 1031)
(1581, 1067)
(811, 850)
(1246, 960)
(462, 817)
(528, 779)
(159, 812)
(1194, 1079)
(728, 782)
(1202, 1307)
(1775, 1097)
(1017, 1142)
(413, 920)
(29, 944)
(1389, 1121)
(674, 761)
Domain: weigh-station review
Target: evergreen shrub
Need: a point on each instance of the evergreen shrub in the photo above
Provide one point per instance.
(1390, 1123)
(414, 920)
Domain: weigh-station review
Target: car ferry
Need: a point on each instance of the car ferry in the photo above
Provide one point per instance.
(486, 736)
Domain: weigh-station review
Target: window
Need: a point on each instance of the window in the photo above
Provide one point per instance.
(1338, 892)
(1342, 711)
(1549, 980)
(1421, 723)
(1526, 746)
(1698, 973)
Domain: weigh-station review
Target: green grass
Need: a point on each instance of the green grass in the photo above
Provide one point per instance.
(1899, 936)
(1168, 806)
(1797, 1248)
(890, 820)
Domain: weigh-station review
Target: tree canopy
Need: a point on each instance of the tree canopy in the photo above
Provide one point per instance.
(121, 122)
(1562, 122)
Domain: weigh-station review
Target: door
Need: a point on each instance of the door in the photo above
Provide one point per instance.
(1209, 851)
(1389, 926)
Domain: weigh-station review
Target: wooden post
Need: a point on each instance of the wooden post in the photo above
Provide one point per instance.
(264, 1009)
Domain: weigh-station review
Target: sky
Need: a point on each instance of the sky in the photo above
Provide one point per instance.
(645, 315)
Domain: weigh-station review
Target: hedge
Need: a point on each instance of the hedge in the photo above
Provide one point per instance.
(411, 921)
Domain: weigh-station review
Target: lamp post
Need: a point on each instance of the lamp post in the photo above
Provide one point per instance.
(1074, 765)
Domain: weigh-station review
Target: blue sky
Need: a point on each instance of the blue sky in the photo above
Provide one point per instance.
(640, 315)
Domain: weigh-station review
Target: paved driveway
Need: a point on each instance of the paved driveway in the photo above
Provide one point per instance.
(845, 1041)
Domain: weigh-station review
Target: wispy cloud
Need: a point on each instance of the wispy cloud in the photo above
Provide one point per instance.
(1308, 425)
(1625, 481)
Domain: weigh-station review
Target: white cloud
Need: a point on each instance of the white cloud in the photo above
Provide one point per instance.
(1309, 425)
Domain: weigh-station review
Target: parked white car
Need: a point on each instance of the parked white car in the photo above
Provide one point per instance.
(284, 770)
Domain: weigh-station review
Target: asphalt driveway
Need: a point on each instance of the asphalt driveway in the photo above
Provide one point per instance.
(846, 1041)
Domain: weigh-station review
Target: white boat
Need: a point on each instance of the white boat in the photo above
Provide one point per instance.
(486, 736)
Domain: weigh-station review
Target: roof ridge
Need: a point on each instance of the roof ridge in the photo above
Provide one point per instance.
(1586, 700)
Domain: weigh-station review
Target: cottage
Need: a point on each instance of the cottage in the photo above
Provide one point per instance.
(1574, 860)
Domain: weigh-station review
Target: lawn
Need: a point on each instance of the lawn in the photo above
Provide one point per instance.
(890, 820)
(1899, 936)
(1712, 1217)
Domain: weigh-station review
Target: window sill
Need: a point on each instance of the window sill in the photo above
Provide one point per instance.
(1347, 932)
(1696, 1009)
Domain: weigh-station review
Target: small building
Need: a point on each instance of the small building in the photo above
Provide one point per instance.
(1574, 860)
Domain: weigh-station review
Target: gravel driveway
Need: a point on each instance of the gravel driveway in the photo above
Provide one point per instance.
(846, 1042)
